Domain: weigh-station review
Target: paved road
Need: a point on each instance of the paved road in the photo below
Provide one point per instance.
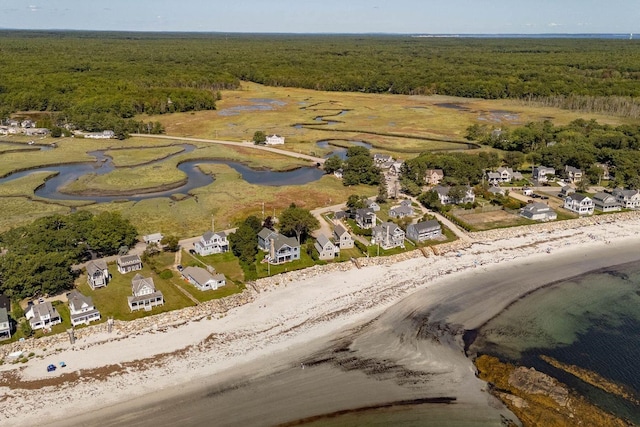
(237, 144)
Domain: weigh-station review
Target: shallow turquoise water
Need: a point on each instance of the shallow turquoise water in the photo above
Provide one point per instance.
(592, 321)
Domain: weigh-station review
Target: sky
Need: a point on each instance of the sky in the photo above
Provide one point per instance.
(327, 16)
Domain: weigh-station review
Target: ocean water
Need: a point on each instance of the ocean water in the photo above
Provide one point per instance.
(591, 321)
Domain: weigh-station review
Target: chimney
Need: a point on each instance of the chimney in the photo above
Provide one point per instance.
(272, 249)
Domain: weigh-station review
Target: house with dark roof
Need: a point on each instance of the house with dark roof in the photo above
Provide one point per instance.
(82, 309)
(388, 235)
(579, 203)
(366, 218)
(128, 263)
(401, 211)
(264, 238)
(543, 173)
(97, 273)
(212, 243)
(538, 212)
(145, 296)
(5, 325)
(605, 202)
(42, 316)
(573, 174)
(202, 279)
(372, 204)
(283, 249)
(326, 248)
(424, 230)
(341, 236)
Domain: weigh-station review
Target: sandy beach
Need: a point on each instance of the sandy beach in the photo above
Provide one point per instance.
(318, 342)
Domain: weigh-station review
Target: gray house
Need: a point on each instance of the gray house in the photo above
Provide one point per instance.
(365, 218)
(341, 236)
(401, 211)
(629, 199)
(283, 249)
(388, 235)
(128, 263)
(264, 238)
(543, 173)
(202, 279)
(424, 230)
(606, 202)
(82, 309)
(42, 316)
(5, 326)
(145, 296)
(97, 273)
(326, 248)
(538, 212)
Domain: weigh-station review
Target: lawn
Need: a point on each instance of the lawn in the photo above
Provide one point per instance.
(112, 299)
(226, 263)
(128, 157)
(265, 270)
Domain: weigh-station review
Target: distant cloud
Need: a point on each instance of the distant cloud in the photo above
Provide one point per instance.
(553, 24)
(33, 8)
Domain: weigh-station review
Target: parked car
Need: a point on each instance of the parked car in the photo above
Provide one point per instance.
(179, 267)
(544, 197)
(192, 251)
(51, 368)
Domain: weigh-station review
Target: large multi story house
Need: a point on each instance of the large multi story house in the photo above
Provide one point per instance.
(145, 296)
(326, 248)
(5, 325)
(380, 159)
(212, 243)
(128, 263)
(42, 316)
(97, 273)
(503, 175)
(543, 173)
(605, 202)
(283, 249)
(341, 236)
(573, 174)
(424, 230)
(538, 212)
(628, 199)
(366, 218)
(82, 309)
(433, 176)
(579, 203)
(446, 199)
(264, 238)
(202, 279)
(388, 235)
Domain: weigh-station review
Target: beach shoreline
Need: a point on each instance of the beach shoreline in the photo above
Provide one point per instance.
(289, 324)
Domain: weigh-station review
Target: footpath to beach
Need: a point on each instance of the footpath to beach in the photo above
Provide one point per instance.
(194, 346)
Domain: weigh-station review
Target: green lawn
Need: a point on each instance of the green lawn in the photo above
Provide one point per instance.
(264, 270)
(226, 263)
(112, 299)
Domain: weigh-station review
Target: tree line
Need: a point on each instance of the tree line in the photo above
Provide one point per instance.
(38, 256)
(91, 78)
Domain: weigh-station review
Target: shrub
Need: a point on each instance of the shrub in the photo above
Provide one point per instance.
(361, 246)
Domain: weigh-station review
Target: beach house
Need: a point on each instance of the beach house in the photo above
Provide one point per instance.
(579, 203)
(543, 173)
(446, 198)
(283, 249)
(145, 296)
(628, 199)
(388, 235)
(97, 273)
(538, 212)
(153, 238)
(128, 263)
(573, 174)
(5, 325)
(81, 309)
(42, 316)
(424, 230)
(326, 248)
(202, 279)
(433, 176)
(341, 236)
(366, 218)
(605, 202)
(212, 243)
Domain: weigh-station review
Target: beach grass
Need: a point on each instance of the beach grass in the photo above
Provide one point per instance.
(17, 211)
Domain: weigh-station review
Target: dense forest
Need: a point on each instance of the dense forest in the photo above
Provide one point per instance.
(97, 78)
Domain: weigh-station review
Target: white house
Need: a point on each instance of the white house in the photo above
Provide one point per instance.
(424, 230)
(153, 238)
(212, 243)
(5, 326)
(538, 212)
(579, 203)
(274, 140)
(326, 248)
(542, 173)
(388, 235)
(202, 279)
(128, 263)
(97, 273)
(144, 293)
(446, 199)
(628, 199)
(82, 309)
(107, 134)
(42, 316)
